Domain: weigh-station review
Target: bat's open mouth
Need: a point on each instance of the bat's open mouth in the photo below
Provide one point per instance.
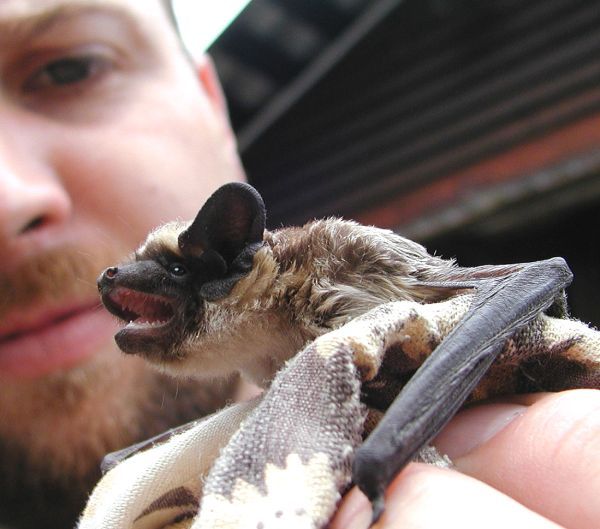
(139, 309)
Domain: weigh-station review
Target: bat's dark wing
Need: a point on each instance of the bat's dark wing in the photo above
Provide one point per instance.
(501, 306)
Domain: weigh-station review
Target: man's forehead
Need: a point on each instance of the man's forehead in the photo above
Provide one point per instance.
(22, 20)
(19, 9)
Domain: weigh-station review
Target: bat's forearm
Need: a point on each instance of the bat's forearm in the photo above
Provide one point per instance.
(442, 384)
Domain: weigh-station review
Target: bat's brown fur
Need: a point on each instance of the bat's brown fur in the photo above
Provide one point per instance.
(305, 281)
(300, 283)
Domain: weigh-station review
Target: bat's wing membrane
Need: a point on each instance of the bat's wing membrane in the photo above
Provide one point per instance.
(501, 306)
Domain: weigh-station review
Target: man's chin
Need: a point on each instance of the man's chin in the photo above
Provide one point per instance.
(68, 403)
(56, 429)
(60, 428)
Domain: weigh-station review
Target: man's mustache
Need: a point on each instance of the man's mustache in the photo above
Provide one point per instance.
(65, 273)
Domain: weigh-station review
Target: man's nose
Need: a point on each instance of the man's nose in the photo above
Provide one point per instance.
(32, 197)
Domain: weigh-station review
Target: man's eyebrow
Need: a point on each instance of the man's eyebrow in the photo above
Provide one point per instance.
(27, 26)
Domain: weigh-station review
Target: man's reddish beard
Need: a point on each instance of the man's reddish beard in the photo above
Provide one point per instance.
(55, 430)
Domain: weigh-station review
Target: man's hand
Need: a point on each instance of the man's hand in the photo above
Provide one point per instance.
(531, 461)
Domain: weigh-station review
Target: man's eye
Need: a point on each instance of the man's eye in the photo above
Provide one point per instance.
(65, 72)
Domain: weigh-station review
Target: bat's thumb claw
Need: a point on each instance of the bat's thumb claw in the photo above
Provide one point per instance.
(378, 505)
(370, 476)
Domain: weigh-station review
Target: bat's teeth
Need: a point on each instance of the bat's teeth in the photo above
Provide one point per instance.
(143, 323)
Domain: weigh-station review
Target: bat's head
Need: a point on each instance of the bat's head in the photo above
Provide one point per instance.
(163, 293)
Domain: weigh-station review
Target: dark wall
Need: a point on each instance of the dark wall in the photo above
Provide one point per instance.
(572, 235)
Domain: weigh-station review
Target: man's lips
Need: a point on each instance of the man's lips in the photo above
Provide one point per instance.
(54, 341)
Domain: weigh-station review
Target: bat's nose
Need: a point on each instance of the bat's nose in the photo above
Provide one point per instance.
(107, 277)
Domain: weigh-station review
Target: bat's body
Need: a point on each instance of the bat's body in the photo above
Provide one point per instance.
(303, 282)
(222, 294)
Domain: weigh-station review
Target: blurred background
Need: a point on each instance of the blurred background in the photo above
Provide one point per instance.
(472, 126)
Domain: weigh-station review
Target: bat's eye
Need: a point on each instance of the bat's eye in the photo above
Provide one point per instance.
(177, 269)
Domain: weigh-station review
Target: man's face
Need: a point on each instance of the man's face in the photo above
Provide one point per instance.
(106, 131)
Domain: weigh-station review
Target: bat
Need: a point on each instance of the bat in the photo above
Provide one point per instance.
(222, 294)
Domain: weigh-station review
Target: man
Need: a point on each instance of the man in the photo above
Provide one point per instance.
(106, 130)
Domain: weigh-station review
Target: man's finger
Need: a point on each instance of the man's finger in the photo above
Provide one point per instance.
(547, 457)
(424, 496)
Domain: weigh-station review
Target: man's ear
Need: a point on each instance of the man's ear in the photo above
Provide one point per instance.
(209, 79)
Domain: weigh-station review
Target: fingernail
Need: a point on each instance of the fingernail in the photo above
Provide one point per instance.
(475, 426)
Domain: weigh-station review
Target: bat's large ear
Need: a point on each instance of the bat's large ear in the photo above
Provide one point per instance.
(228, 229)
(231, 219)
